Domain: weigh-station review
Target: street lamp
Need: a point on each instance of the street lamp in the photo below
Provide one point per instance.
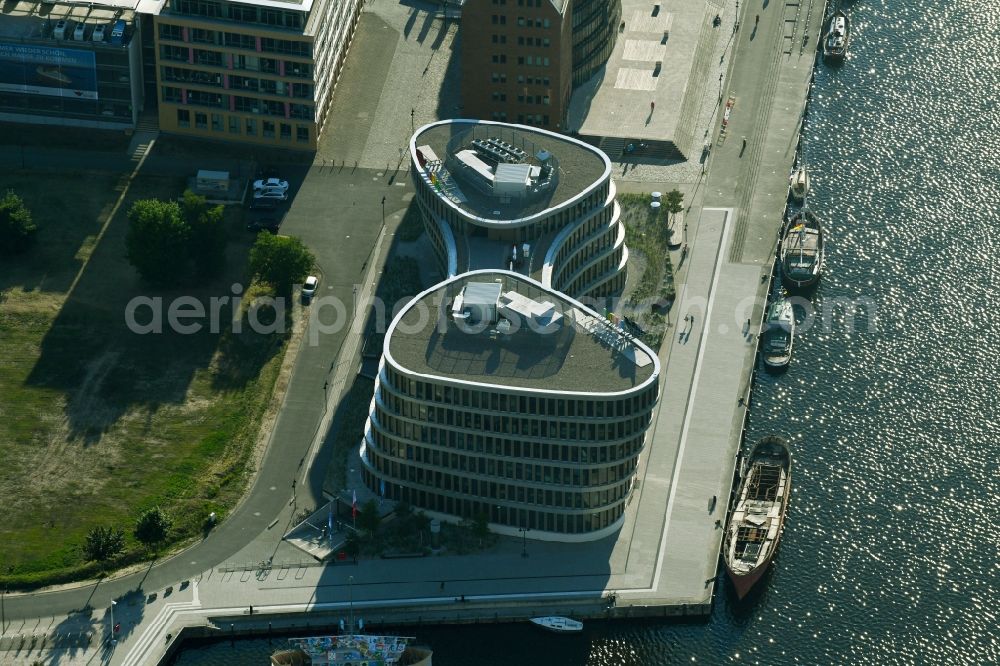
(524, 541)
(412, 112)
(113, 639)
(383, 211)
(350, 582)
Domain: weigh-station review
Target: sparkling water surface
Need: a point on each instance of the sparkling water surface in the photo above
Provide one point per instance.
(890, 552)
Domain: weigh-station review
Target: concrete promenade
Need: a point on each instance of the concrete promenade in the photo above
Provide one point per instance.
(663, 562)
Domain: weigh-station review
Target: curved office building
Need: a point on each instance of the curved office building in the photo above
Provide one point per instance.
(500, 397)
(496, 195)
(595, 30)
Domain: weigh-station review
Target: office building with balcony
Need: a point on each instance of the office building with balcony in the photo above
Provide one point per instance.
(522, 58)
(500, 397)
(495, 195)
(259, 71)
(72, 63)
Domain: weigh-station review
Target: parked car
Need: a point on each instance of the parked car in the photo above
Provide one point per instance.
(271, 184)
(271, 224)
(263, 203)
(309, 288)
(271, 193)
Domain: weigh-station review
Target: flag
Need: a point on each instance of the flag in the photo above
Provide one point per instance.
(798, 227)
(354, 504)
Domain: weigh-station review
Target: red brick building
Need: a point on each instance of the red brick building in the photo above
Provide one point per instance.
(517, 61)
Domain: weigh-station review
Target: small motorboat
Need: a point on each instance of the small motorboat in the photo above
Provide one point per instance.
(798, 184)
(837, 37)
(558, 624)
(778, 334)
(802, 250)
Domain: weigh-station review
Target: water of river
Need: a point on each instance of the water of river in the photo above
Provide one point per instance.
(890, 555)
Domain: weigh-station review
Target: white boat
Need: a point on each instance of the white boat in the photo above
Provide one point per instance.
(558, 624)
(799, 184)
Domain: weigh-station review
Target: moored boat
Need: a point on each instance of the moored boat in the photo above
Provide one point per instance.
(352, 649)
(799, 184)
(837, 37)
(778, 334)
(758, 519)
(558, 624)
(802, 250)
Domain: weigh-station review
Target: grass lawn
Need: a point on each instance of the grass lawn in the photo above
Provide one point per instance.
(646, 235)
(96, 422)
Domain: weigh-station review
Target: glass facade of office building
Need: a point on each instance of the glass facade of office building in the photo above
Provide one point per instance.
(575, 236)
(537, 451)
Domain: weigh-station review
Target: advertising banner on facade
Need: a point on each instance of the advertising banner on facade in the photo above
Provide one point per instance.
(47, 70)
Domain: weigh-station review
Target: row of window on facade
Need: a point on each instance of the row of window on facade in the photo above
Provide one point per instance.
(216, 80)
(522, 99)
(242, 126)
(237, 103)
(566, 523)
(501, 77)
(426, 443)
(549, 427)
(238, 12)
(534, 61)
(542, 42)
(528, 405)
(237, 40)
(235, 61)
(522, 21)
(489, 488)
(583, 451)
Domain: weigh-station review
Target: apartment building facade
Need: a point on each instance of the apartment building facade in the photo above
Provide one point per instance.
(258, 72)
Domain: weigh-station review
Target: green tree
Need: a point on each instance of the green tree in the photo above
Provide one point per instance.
(674, 201)
(368, 518)
(207, 241)
(103, 543)
(280, 261)
(152, 527)
(17, 230)
(157, 242)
